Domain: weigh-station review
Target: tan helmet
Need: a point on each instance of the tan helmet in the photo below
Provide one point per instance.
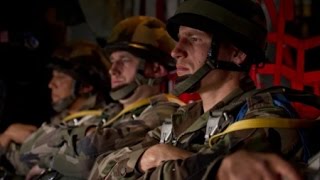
(145, 37)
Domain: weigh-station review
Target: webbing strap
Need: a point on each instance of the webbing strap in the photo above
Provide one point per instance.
(192, 80)
(141, 103)
(123, 91)
(263, 123)
(82, 114)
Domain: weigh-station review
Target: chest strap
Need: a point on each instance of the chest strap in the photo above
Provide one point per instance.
(82, 114)
(263, 123)
(140, 103)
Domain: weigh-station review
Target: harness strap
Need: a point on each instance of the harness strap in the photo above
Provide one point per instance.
(140, 103)
(263, 123)
(82, 114)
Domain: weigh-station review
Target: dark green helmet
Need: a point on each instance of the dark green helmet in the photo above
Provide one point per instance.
(85, 62)
(241, 22)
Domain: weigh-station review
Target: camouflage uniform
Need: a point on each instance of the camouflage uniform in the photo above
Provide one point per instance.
(189, 128)
(241, 24)
(48, 139)
(85, 63)
(129, 129)
(145, 38)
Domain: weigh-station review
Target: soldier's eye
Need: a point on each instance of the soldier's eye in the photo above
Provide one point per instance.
(112, 61)
(194, 39)
(125, 60)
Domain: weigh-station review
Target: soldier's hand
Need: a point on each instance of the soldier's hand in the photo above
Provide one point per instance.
(250, 165)
(156, 154)
(4, 140)
(34, 171)
(19, 132)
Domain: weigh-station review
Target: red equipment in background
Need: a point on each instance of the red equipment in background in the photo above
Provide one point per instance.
(285, 65)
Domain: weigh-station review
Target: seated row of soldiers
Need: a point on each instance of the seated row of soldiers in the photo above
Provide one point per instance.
(114, 120)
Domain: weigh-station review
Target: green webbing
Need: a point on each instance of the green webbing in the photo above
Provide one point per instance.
(192, 80)
(126, 90)
(123, 91)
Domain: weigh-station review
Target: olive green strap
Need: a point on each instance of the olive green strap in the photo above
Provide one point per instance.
(192, 80)
(123, 91)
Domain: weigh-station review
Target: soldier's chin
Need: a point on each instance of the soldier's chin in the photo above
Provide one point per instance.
(55, 101)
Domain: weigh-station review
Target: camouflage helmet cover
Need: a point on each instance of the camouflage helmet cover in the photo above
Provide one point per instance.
(145, 37)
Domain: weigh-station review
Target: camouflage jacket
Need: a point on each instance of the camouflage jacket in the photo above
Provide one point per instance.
(49, 138)
(127, 129)
(189, 126)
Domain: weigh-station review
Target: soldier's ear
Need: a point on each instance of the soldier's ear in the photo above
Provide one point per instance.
(85, 88)
(159, 70)
(155, 70)
(238, 57)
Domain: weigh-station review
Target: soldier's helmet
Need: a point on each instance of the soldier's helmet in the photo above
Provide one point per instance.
(145, 37)
(241, 22)
(84, 62)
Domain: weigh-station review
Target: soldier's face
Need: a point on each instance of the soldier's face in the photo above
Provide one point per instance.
(192, 49)
(191, 52)
(61, 86)
(124, 66)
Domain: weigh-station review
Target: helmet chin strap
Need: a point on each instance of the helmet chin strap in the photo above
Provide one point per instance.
(123, 91)
(191, 83)
(128, 89)
(67, 101)
(63, 103)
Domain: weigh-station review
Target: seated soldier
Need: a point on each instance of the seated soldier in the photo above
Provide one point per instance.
(138, 50)
(217, 42)
(79, 81)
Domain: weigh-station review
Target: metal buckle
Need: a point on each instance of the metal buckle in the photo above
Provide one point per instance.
(166, 130)
(216, 123)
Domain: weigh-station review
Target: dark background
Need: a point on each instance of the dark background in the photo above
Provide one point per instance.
(24, 96)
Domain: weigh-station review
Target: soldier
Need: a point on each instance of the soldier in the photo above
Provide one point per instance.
(79, 81)
(138, 49)
(217, 42)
